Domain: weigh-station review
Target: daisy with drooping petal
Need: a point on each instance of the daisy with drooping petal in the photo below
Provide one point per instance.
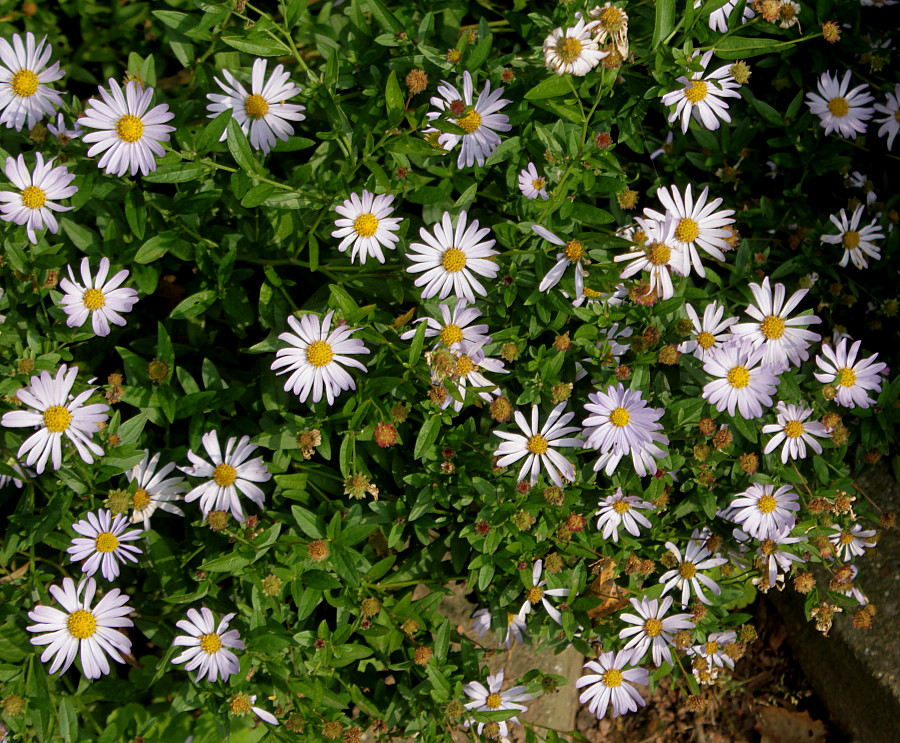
(480, 121)
(652, 630)
(63, 135)
(852, 542)
(154, 489)
(99, 299)
(762, 511)
(454, 331)
(839, 110)
(658, 254)
(25, 97)
(708, 335)
(262, 113)
(128, 134)
(573, 252)
(774, 559)
(229, 473)
(451, 257)
(687, 574)
(33, 204)
(620, 423)
(515, 631)
(718, 19)
(208, 645)
(537, 593)
(612, 684)
(618, 510)
(56, 413)
(316, 357)
(795, 431)
(531, 184)
(612, 21)
(490, 699)
(467, 372)
(102, 544)
(860, 181)
(242, 705)
(78, 629)
(16, 482)
(366, 225)
(852, 378)
(742, 381)
(713, 650)
(858, 244)
(538, 446)
(890, 124)
(573, 50)
(702, 96)
(846, 586)
(784, 339)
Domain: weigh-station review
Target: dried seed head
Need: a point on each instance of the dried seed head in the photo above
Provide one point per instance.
(509, 351)
(829, 392)
(684, 326)
(831, 32)
(740, 71)
(701, 452)
(501, 409)
(562, 342)
(749, 463)
(157, 370)
(24, 366)
(695, 703)
(722, 438)
(217, 520)
(554, 495)
(353, 735)
(668, 559)
(887, 520)
(603, 140)
(370, 607)
(627, 199)
(399, 413)
(409, 627)
(683, 639)
(840, 435)
(699, 612)
(817, 505)
(416, 81)
(748, 633)
(707, 426)
(422, 656)
(561, 392)
(13, 705)
(575, 523)
(523, 520)
(271, 585)
(842, 503)
(553, 563)
(295, 723)
(117, 501)
(668, 355)
(318, 550)
(385, 435)
(622, 372)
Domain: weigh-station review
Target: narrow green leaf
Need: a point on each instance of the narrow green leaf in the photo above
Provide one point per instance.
(552, 87)
(393, 97)
(417, 342)
(240, 150)
(664, 22)
(194, 305)
(427, 436)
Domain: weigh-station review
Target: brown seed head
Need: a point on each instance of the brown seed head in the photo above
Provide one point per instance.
(385, 435)
(561, 392)
(749, 463)
(722, 438)
(353, 735)
(217, 520)
(157, 370)
(117, 501)
(509, 351)
(695, 703)
(271, 585)
(740, 71)
(627, 199)
(701, 452)
(422, 655)
(668, 355)
(683, 639)
(562, 342)
(523, 520)
(603, 140)
(13, 705)
(318, 550)
(416, 81)
(622, 372)
(707, 426)
(554, 495)
(370, 607)
(501, 409)
(831, 32)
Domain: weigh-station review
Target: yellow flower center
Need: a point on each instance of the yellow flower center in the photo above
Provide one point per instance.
(767, 504)
(493, 701)
(33, 197)
(652, 627)
(621, 506)
(619, 417)
(453, 260)
(739, 377)
(224, 475)
(696, 92)
(659, 254)
(538, 183)
(851, 239)
(568, 49)
(93, 299)
(509, 618)
(81, 624)
(706, 340)
(574, 250)
(464, 366)
(130, 128)
(470, 122)
(772, 327)
(590, 293)
(210, 643)
(537, 444)
(687, 230)
(712, 648)
(846, 377)
(451, 334)
(612, 18)
(140, 500)
(768, 547)
(838, 106)
(365, 225)
(534, 594)
(612, 678)
(319, 353)
(24, 83)
(240, 705)
(57, 419)
(793, 429)
(106, 542)
(897, 115)
(687, 570)
(846, 537)
(256, 106)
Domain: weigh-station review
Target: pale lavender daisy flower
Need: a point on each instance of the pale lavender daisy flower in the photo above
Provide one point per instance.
(619, 510)
(25, 96)
(531, 184)
(838, 109)
(62, 134)
(659, 255)
(574, 50)
(515, 627)
(858, 244)
(454, 330)
(795, 431)
(490, 699)
(208, 645)
(742, 383)
(573, 253)
(890, 124)
(154, 489)
(709, 334)
(538, 594)
(713, 650)
(33, 203)
(687, 574)
(102, 544)
(852, 378)
(762, 511)
(366, 225)
(468, 371)
(612, 684)
(852, 542)
(98, 298)
(652, 630)
(702, 96)
(776, 560)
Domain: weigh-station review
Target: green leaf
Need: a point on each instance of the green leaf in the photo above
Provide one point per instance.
(427, 436)
(194, 305)
(479, 53)
(240, 150)
(213, 131)
(664, 21)
(68, 720)
(552, 87)
(417, 342)
(320, 580)
(393, 96)
(590, 214)
(157, 246)
(136, 212)
(258, 46)
(740, 47)
(384, 17)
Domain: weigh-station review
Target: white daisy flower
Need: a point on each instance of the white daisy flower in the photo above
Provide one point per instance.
(795, 431)
(658, 254)
(890, 124)
(102, 544)
(454, 331)
(687, 574)
(490, 699)
(702, 96)
(697, 224)
(537, 593)
(531, 184)
(788, 14)
(468, 373)
(316, 358)
(262, 113)
(229, 473)
(620, 423)
(839, 110)
(154, 489)
(775, 560)
(712, 651)
(243, 705)
(452, 257)
(613, 22)
(25, 97)
(860, 181)
(743, 382)
(858, 244)
(79, 629)
(611, 684)
(652, 630)
(515, 627)
(718, 19)
(128, 134)
(97, 298)
(208, 645)
(573, 50)
(366, 225)
(480, 121)
(852, 542)
(849, 589)
(34, 201)
(56, 413)
(62, 134)
(15, 481)
(666, 148)
(762, 511)
(619, 510)
(852, 378)
(708, 335)
(573, 252)
(784, 339)
(538, 446)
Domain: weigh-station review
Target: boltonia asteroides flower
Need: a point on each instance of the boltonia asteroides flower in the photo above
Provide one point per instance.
(707, 335)
(612, 684)
(712, 651)
(762, 511)
(652, 629)
(366, 225)
(515, 627)
(97, 298)
(687, 574)
(658, 254)
(852, 542)
(538, 594)
(702, 96)
(469, 365)
(838, 109)
(774, 559)
(573, 50)
(619, 510)
(102, 544)
(890, 124)
(34, 201)
(531, 184)
(795, 431)
(852, 378)
(573, 253)
(208, 645)
(858, 244)
(25, 97)
(490, 699)
(742, 383)
(155, 490)
(454, 331)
